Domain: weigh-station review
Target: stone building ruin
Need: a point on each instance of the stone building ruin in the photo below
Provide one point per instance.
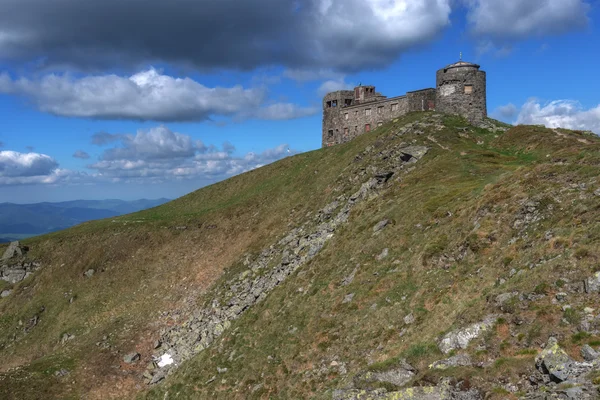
(460, 90)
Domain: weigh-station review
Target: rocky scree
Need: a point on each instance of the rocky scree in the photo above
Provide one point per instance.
(250, 287)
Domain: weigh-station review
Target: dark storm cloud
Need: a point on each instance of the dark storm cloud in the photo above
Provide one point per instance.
(217, 33)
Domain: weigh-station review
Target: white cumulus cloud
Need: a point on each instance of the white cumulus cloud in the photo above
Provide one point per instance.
(159, 155)
(567, 114)
(15, 164)
(147, 95)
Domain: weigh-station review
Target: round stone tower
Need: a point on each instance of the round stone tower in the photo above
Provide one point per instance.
(461, 90)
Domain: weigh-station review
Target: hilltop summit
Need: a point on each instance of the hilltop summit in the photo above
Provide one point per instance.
(427, 259)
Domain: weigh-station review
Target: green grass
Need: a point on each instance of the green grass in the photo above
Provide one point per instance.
(451, 241)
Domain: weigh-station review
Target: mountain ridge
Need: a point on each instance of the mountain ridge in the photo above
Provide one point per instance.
(459, 274)
(31, 219)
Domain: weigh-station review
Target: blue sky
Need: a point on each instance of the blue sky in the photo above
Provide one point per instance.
(128, 99)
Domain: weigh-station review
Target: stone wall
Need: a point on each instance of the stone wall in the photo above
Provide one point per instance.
(421, 100)
(341, 124)
(462, 91)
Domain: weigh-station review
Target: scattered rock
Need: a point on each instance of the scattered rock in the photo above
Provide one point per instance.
(14, 250)
(348, 280)
(561, 296)
(15, 273)
(89, 273)
(221, 370)
(504, 298)
(399, 375)
(5, 293)
(131, 358)
(380, 225)
(459, 360)
(348, 298)
(443, 391)
(271, 267)
(66, 337)
(413, 153)
(592, 284)
(383, 254)
(554, 361)
(409, 319)
(61, 372)
(588, 353)
(461, 338)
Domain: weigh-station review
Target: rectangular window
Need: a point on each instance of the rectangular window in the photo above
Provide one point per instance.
(356, 128)
(346, 116)
(330, 133)
(328, 104)
(356, 113)
(380, 110)
(468, 89)
(348, 102)
(367, 127)
(368, 112)
(346, 132)
(395, 107)
(334, 103)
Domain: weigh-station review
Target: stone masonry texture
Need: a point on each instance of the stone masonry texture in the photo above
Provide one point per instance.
(460, 90)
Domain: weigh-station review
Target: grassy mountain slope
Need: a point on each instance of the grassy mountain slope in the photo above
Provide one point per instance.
(482, 214)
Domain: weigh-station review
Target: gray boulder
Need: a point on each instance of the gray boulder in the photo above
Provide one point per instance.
(413, 153)
(554, 361)
(384, 253)
(5, 293)
(13, 275)
(460, 339)
(380, 225)
(588, 353)
(131, 358)
(399, 375)
(592, 284)
(442, 391)
(459, 360)
(89, 273)
(14, 250)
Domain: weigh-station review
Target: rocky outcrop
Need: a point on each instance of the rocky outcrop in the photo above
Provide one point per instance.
(15, 273)
(561, 377)
(14, 250)
(443, 391)
(15, 266)
(592, 284)
(460, 339)
(459, 360)
(398, 375)
(272, 266)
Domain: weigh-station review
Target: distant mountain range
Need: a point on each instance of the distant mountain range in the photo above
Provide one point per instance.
(18, 221)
